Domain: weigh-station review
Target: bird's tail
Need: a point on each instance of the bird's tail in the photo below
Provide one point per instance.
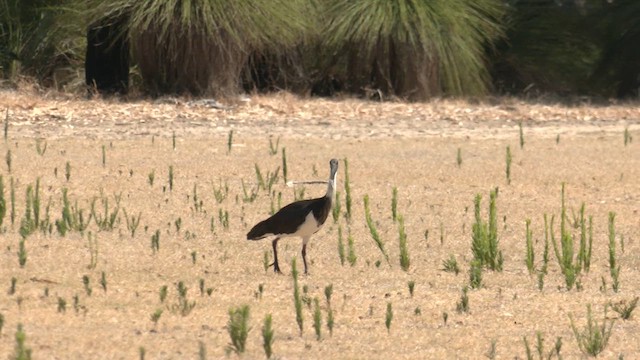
(260, 231)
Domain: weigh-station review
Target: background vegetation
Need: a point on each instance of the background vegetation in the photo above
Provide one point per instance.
(409, 49)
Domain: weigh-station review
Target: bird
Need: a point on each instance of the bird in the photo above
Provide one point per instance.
(301, 218)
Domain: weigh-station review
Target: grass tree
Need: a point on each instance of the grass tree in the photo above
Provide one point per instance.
(201, 46)
(415, 49)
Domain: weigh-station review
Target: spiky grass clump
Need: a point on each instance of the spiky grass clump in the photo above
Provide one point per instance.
(372, 228)
(614, 269)
(530, 254)
(485, 235)
(297, 297)
(405, 261)
(238, 329)
(593, 339)
(624, 308)
(268, 336)
(401, 47)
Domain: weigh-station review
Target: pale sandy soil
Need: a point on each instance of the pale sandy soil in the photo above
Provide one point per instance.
(409, 146)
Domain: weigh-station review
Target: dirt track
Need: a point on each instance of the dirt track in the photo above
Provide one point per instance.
(412, 147)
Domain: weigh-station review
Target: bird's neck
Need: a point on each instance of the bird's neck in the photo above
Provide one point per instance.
(331, 188)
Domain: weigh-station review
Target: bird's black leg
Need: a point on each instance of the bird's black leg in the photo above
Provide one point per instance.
(276, 268)
(304, 255)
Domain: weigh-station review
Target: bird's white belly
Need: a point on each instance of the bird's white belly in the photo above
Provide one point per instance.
(308, 227)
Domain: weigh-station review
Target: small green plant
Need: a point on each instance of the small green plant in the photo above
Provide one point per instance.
(87, 284)
(485, 235)
(530, 256)
(67, 171)
(142, 352)
(104, 156)
(624, 308)
(3, 202)
(337, 208)
(12, 287)
(521, 133)
(8, 160)
(103, 281)
(405, 261)
(6, 126)
(155, 317)
(163, 293)
(451, 265)
(132, 222)
(221, 192)
(155, 242)
(62, 305)
(151, 177)
(21, 351)
(39, 148)
(107, 219)
(284, 165)
(341, 254)
(173, 140)
(238, 329)
(351, 257)
(330, 321)
(12, 191)
(475, 274)
(268, 336)
(184, 306)
(273, 147)
(593, 339)
(297, 298)
(627, 136)
(1, 322)
(394, 204)
(372, 228)
(614, 268)
(170, 177)
(328, 291)
(493, 350)
(388, 317)
(223, 217)
(347, 190)
(229, 141)
(317, 319)
(22, 253)
(93, 251)
(508, 168)
(412, 285)
(459, 157)
(463, 305)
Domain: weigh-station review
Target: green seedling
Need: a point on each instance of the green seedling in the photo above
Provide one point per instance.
(273, 147)
(8, 160)
(155, 242)
(493, 350)
(521, 135)
(132, 222)
(405, 261)
(530, 255)
(22, 253)
(103, 281)
(388, 317)
(627, 136)
(297, 298)
(451, 265)
(624, 308)
(104, 156)
(614, 268)
(163, 293)
(155, 317)
(485, 235)
(411, 284)
(394, 204)
(372, 229)
(347, 190)
(337, 208)
(249, 197)
(183, 306)
(21, 351)
(341, 254)
(107, 219)
(40, 149)
(67, 171)
(352, 257)
(3, 202)
(330, 321)
(142, 352)
(223, 217)
(151, 177)
(1, 323)
(6, 126)
(12, 190)
(463, 305)
(508, 169)
(221, 192)
(328, 291)
(593, 339)
(475, 274)
(284, 165)
(12, 287)
(317, 319)
(62, 305)
(229, 141)
(268, 336)
(459, 157)
(238, 329)
(173, 141)
(87, 285)
(170, 177)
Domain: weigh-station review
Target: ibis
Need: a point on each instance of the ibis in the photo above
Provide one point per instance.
(299, 219)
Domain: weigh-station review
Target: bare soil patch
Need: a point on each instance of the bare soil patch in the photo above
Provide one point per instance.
(409, 146)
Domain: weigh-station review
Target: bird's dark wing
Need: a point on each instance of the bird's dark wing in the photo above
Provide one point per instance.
(285, 221)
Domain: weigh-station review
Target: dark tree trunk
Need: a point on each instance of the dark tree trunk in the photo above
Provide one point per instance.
(107, 59)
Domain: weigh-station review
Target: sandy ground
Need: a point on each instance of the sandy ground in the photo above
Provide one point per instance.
(409, 146)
